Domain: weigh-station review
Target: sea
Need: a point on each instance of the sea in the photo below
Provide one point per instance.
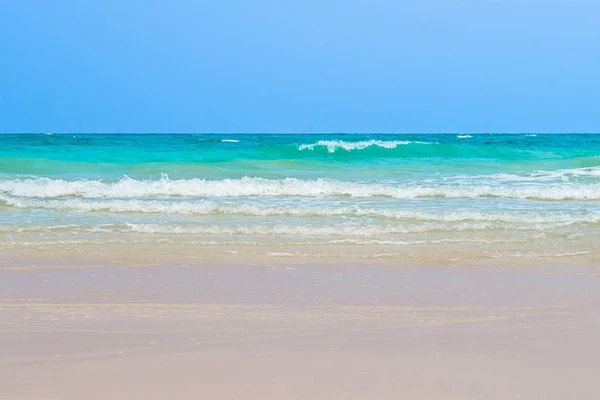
(445, 198)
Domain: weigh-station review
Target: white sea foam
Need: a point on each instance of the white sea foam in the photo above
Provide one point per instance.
(164, 187)
(239, 241)
(27, 228)
(461, 240)
(334, 145)
(230, 141)
(537, 255)
(209, 207)
(548, 176)
(327, 231)
(464, 136)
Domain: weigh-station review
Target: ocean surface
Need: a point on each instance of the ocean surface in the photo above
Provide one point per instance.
(448, 196)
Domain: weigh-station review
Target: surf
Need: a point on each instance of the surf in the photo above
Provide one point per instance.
(261, 187)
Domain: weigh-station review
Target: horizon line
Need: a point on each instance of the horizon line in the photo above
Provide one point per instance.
(301, 133)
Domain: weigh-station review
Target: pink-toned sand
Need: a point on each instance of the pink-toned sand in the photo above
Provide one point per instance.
(299, 332)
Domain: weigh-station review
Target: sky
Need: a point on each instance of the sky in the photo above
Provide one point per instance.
(310, 66)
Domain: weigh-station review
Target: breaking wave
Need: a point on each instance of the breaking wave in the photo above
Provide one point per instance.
(333, 145)
(209, 207)
(293, 187)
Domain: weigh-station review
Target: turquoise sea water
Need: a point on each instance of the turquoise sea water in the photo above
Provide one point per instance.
(253, 189)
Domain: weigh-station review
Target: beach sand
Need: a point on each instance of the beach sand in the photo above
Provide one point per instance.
(276, 330)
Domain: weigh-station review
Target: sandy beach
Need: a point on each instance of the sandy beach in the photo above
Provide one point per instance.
(361, 266)
(279, 331)
(301, 200)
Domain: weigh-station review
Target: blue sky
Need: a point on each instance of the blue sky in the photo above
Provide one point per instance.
(299, 66)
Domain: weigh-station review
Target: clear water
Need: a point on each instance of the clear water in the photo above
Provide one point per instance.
(355, 189)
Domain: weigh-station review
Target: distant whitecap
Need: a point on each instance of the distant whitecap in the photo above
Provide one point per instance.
(334, 145)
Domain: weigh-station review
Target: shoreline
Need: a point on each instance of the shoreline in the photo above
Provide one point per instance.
(177, 254)
(304, 331)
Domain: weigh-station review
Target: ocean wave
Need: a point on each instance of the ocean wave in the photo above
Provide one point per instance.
(334, 145)
(230, 141)
(464, 136)
(563, 175)
(209, 207)
(247, 187)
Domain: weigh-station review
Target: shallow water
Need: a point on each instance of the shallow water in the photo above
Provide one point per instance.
(488, 195)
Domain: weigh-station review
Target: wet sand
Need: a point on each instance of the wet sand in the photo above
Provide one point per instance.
(282, 331)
